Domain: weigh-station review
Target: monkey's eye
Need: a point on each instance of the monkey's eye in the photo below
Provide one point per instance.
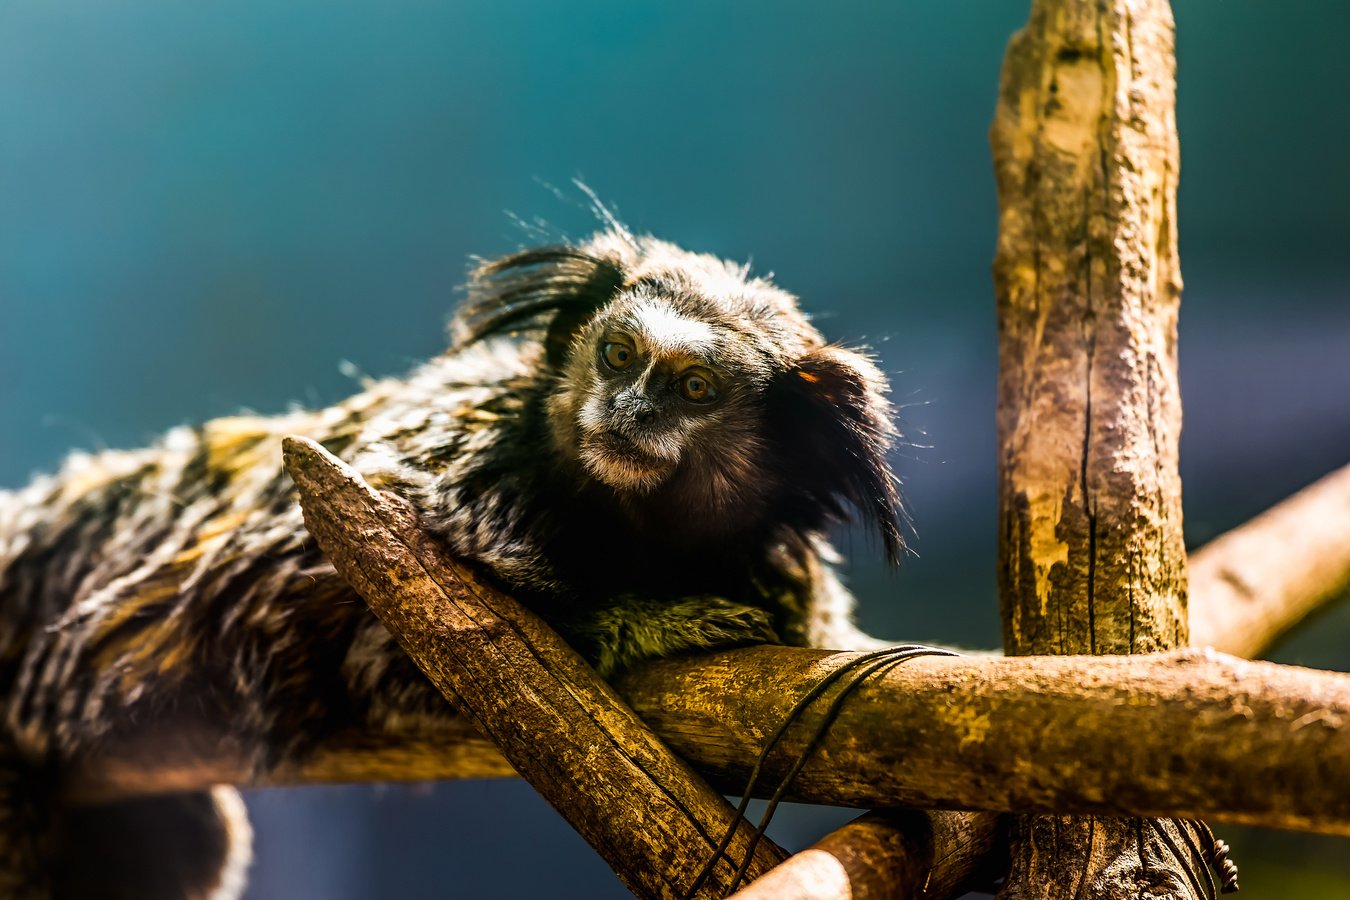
(697, 387)
(617, 355)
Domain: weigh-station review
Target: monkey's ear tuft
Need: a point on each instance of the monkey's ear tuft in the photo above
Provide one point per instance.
(832, 426)
(549, 289)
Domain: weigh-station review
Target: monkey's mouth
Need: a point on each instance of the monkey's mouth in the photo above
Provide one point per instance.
(621, 463)
(621, 449)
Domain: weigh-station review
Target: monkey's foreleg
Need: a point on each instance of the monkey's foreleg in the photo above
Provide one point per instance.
(629, 629)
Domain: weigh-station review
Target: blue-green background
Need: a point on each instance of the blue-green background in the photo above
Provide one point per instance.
(204, 207)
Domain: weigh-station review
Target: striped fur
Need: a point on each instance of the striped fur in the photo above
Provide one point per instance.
(179, 579)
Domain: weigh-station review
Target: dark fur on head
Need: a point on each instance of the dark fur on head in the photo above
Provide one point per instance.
(798, 429)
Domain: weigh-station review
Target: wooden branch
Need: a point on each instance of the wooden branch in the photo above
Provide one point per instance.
(642, 808)
(1253, 584)
(160, 757)
(1092, 558)
(884, 855)
(1187, 733)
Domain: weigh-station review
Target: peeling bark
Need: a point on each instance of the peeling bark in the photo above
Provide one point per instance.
(1088, 292)
(1088, 286)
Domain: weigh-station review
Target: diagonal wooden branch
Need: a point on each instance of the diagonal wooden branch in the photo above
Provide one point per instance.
(642, 808)
(885, 855)
(1252, 585)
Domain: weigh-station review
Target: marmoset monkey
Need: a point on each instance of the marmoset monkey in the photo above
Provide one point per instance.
(644, 445)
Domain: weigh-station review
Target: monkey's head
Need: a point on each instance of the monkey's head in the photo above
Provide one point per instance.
(687, 387)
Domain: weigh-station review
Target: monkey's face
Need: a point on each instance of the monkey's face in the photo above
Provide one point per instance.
(694, 390)
(652, 390)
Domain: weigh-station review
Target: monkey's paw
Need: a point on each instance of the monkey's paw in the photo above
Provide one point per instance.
(634, 629)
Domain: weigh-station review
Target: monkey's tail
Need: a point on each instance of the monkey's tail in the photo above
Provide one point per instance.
(190, 846)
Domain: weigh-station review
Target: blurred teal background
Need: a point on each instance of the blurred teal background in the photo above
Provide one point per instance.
(205, 207)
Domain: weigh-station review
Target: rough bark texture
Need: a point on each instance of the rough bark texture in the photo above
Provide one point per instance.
(884, 855)
(1188, 733)
(162, 757)
(1088, 292)
(1088, 284)
(642, 808)
(1251, 585)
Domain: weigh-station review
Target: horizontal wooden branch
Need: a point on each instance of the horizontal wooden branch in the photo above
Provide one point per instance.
(1188, 733)
(159, 757)
(652, 819)
(1253, 584)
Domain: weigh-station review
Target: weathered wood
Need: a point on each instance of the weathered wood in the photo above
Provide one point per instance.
(165, 756)
(1187, 733)
(642, 808)
(1252, 585)
(1089, 414)
(885, 855)
(1092, 557)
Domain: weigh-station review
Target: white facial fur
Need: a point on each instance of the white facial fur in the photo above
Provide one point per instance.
(666, 332)
(626, 458)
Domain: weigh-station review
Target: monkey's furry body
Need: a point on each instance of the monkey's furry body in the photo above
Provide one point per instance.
(644, 445)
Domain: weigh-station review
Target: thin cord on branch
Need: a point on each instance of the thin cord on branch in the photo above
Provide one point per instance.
(879, 660)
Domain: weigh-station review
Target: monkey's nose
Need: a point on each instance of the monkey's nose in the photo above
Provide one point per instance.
(645, 413)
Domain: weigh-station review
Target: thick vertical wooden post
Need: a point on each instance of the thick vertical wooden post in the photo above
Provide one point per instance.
(1089, 417)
